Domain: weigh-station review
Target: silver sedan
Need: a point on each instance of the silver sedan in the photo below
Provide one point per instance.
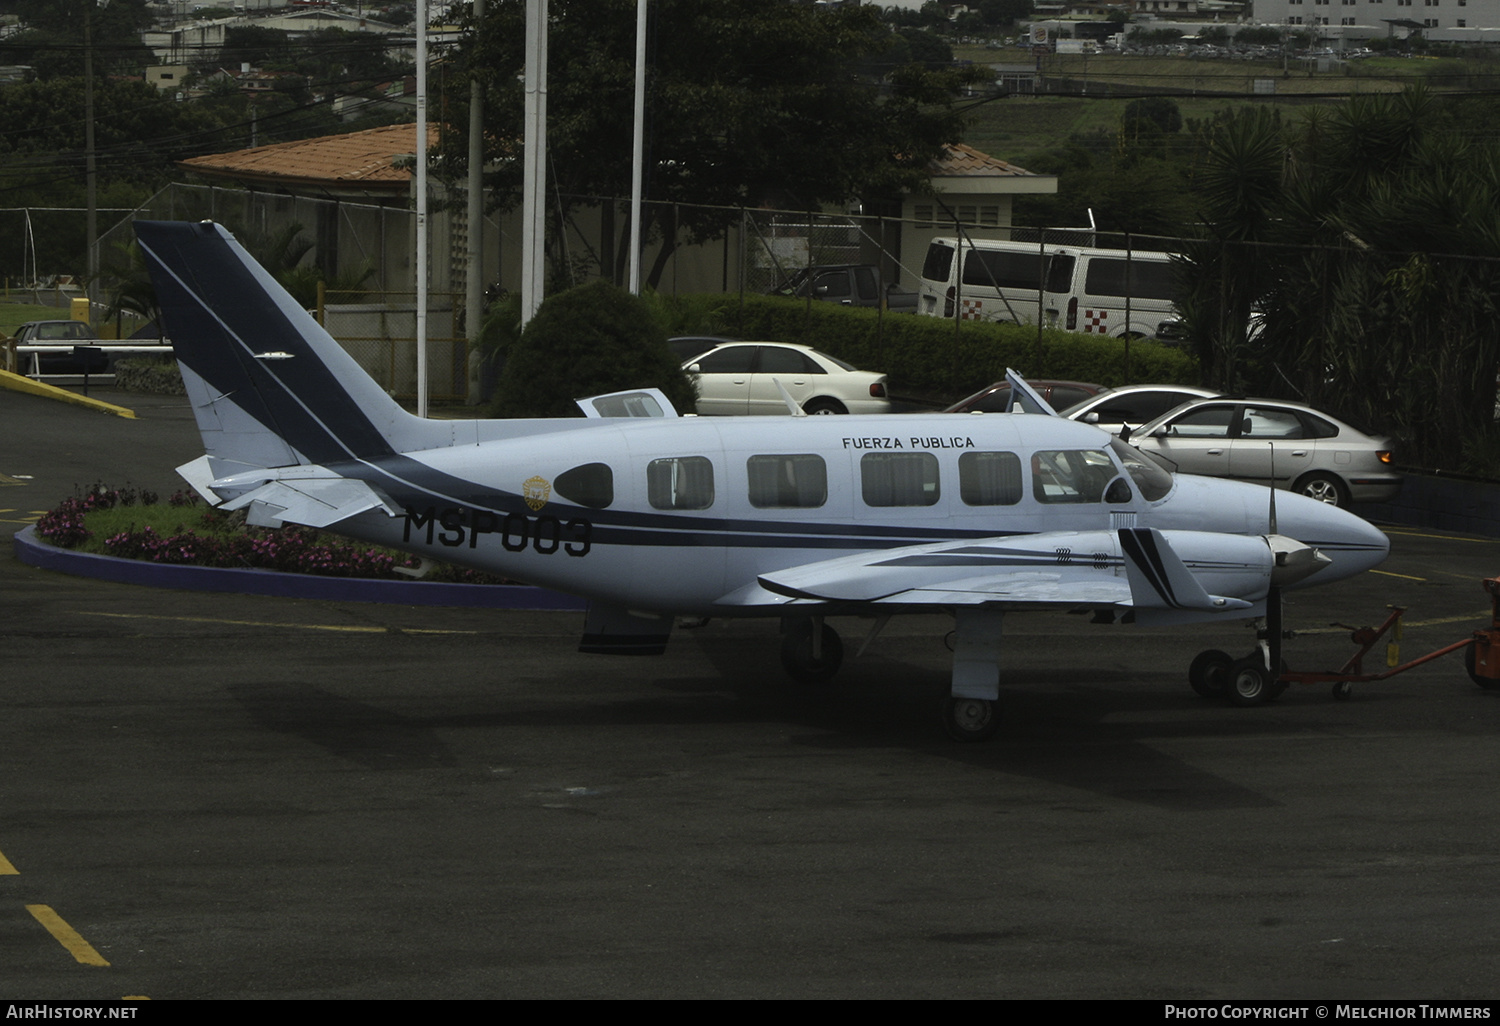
(1268, 440)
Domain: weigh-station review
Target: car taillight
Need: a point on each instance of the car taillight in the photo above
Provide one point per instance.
(877, 390)
(1386, 456)
(1073, 313)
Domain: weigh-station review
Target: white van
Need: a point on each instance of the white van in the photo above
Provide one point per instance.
(1079, 288)
(1001, 281)
(1123, 293)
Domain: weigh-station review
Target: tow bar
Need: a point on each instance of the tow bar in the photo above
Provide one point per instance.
(1215, 674)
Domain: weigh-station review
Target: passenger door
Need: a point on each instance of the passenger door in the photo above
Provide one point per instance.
(1260, 430)
(724, 379)
(796, 372)
(1198, 441)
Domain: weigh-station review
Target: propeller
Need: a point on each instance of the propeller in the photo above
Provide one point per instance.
(1291, 561)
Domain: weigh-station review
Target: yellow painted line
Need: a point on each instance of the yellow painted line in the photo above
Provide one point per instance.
(1404, 577)
(1443, 537)
(341, 628)
(21, 383)
(6, 869)
(5, 479)
(66, 935)
(1481, 618)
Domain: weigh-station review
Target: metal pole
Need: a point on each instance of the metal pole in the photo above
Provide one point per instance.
(474, 284)
(533, 198)
(638, 148)
(421, 208)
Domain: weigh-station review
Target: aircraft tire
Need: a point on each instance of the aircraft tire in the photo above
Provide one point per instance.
(1208, 673)
(971, 719)
(1249, 683)
(796, 653)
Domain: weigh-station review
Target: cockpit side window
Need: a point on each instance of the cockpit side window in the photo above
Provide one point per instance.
(1070, 475)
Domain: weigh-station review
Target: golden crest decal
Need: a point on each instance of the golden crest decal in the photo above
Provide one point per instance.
(536, 491)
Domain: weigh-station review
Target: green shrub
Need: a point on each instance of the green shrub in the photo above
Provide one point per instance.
(154, 375)
(589, 340)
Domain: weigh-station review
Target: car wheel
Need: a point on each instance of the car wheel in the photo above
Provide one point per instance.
(1324, 487)
(821, 407)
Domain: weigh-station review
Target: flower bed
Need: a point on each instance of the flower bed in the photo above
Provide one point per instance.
(134, 525)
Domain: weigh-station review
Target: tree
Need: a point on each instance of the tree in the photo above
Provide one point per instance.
(589, 340)
(53, 36)
(1367, 245)
(748, 104)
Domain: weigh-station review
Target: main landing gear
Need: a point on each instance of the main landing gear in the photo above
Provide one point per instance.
(811, 653)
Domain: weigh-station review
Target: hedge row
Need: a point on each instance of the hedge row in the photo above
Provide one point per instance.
(928, 357)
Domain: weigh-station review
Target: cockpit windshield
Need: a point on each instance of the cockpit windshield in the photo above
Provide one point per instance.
(1150, 477)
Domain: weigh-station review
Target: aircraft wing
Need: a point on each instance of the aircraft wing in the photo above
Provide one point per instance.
(1137, 569)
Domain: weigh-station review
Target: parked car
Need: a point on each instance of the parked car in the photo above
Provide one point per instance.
(741, 377)
(1113, 408)
(849, 285)
(1273, 439)
(688, 346)
(1059, 394)
(64, 335)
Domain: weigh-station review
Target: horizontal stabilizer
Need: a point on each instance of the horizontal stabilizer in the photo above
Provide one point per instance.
(318, 502)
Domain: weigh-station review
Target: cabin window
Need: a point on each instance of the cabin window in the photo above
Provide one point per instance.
(989, 478)
(1071, 475)
(899, 478)
(591, 485)
(787, 482)
(683, 482)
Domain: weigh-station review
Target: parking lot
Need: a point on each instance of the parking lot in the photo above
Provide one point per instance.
(235, 797)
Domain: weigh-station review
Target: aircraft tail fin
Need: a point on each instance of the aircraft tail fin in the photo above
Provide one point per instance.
(269, 386)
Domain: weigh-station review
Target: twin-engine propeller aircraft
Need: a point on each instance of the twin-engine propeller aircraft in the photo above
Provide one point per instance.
(651, 518)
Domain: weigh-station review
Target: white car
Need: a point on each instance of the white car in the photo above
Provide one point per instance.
(1114, 408)
(742, 377)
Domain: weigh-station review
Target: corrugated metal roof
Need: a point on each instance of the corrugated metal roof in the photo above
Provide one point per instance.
(364, 160)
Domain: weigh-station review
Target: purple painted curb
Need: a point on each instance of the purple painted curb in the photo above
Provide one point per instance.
(34, 552)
